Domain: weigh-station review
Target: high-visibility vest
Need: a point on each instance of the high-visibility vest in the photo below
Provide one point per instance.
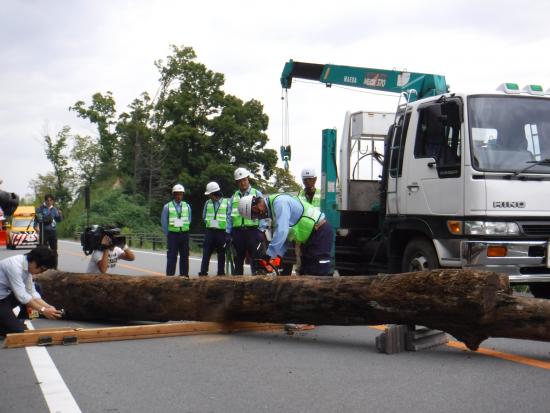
(238, 220)
(316, 201)
(173, 215)
(216, 218)
(302, 229)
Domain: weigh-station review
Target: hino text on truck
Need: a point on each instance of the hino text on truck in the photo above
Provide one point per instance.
(454, 179)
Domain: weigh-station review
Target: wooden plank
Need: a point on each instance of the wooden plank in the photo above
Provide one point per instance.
(92, 335)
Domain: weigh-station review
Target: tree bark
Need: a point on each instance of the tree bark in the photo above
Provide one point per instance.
(470, 305)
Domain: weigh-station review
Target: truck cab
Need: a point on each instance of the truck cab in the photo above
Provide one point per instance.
(467, 184)
(21, 232)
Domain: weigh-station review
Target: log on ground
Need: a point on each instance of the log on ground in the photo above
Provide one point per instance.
(470, 305)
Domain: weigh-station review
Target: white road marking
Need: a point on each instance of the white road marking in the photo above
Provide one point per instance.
(56, 393)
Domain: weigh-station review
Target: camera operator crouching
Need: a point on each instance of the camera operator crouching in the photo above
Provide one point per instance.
(106, 246)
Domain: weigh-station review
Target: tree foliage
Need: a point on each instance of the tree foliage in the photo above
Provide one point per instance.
(102, 112)
(191, 132)
(86, 152)
(56, 152)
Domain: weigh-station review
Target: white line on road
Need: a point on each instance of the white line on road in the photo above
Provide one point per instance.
(55, 391)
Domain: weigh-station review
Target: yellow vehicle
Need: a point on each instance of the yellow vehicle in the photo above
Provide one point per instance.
(21, 231)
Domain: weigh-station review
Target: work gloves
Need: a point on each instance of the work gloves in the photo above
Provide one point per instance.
(270, 264)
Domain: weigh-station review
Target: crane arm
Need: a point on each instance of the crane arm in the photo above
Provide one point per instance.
(424, 84)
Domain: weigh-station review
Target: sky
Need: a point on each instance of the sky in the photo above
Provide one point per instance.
(54, 53)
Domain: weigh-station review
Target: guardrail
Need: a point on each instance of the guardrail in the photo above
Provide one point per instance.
(155, 242)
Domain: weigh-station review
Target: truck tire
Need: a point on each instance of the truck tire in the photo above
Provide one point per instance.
(419, 255)
(540, 290)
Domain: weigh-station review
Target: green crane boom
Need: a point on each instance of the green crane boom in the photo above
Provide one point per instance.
(422, 84)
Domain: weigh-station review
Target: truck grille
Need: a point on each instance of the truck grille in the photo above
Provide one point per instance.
(536, 229)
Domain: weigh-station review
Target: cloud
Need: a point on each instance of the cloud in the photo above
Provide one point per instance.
(54, 53)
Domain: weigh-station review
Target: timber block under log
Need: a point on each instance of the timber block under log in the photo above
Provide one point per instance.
(400, 337)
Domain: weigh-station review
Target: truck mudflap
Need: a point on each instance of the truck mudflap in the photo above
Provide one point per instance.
(522, 261)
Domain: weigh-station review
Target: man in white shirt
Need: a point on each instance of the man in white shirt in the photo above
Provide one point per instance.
(104, 259)
(17, 288)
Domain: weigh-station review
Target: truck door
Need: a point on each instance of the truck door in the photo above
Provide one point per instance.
(393, 164)
(433, 183)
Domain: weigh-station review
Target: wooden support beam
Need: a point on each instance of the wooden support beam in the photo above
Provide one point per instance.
(67, 335)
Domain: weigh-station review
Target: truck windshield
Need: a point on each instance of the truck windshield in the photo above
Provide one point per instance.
(509, 133)
(22, 222)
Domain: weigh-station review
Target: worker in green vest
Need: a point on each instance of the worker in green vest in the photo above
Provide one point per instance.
(309, 193)
(245, 234)
(214, 216)
(175, 220)
(293, 220)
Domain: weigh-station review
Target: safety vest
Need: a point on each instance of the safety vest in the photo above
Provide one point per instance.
(216, 219)
(173, 216)
(302, 229)
(316, 201)
(238, 220)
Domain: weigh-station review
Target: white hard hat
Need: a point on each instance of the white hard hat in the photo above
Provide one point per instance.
(241, 173)
(211, 187)
(245, 206)
(309, 173)
(178, 188)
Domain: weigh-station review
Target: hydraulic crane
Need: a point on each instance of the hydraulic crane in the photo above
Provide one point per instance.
(417, 85)
(413, 85)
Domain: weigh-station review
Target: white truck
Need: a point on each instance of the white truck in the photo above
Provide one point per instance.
(465, 182)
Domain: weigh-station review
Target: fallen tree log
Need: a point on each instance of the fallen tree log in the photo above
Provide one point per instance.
(470, 305)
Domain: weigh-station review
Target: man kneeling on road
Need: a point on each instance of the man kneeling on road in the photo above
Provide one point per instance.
(17, 288)
(293, 220)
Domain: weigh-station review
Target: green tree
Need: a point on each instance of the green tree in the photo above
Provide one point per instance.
(281, 181)
(191, 132)
(102, 112)
(42, 185)
(86, 152)
(56, 149)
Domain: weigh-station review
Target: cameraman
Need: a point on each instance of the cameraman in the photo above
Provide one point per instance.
(107, 255)
(47, 217)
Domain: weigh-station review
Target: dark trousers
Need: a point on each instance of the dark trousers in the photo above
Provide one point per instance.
(8, 322)
(177, 242)
(317, 251)
(214, 240)
(246, 241)
(49, 238)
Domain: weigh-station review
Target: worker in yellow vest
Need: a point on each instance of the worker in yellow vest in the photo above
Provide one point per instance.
(214, 215)
(175, 220)
(309, 193)
(245, 233)
(293, 220)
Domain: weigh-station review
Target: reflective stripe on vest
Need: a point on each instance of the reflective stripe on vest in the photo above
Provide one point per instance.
(302, 229)
(238, 220)
(316, 201)
(173, 215)
(216, 218)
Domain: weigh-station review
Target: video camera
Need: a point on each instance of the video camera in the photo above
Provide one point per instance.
(91, 238)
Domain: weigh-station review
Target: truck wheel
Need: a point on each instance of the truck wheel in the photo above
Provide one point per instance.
(419, 255)
(540, 290)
